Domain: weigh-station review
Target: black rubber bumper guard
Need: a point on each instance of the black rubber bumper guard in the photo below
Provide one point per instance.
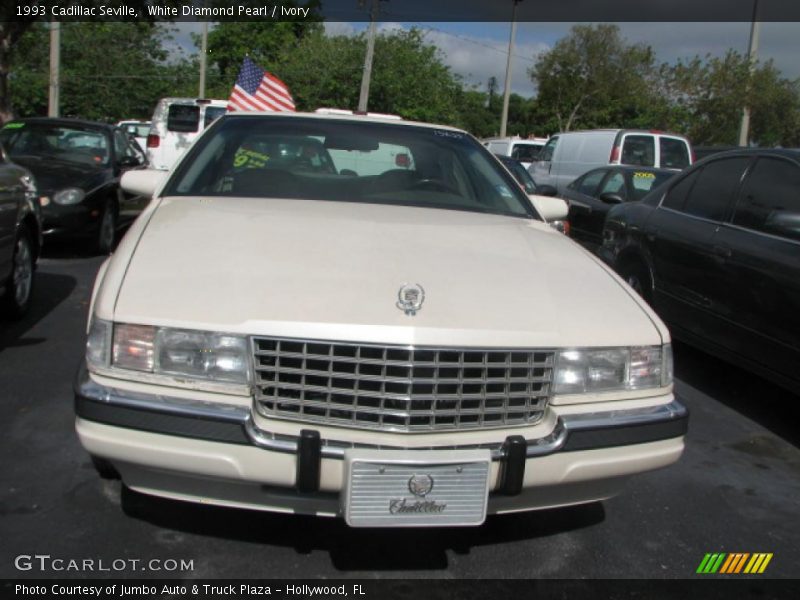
(234, 425)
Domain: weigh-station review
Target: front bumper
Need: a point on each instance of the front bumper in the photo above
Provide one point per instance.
(216, 453)
(78, 220)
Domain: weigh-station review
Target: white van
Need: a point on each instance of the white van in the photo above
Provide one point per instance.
(525, 151)
(176, 123)
(567, 156)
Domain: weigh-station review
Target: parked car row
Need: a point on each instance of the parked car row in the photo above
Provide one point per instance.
(714, 247)
(66, 172)
(567, 156)
(716, 251)
(524, 150)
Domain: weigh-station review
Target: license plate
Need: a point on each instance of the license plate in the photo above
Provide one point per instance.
(416, 488)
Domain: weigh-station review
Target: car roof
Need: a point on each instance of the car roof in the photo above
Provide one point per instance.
(66, 122)
(792, 153)
(193, 101)
(338, 117)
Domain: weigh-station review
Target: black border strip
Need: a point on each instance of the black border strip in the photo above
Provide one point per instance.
(533, 11)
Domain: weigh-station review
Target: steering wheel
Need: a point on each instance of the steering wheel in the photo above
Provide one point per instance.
(434, 185)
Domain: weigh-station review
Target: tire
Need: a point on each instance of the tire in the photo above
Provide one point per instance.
(638, 277)
(19, 286)
(104, 468)
(107, 232)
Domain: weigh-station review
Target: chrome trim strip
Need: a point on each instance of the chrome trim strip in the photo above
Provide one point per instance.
(671, 415)
(86, 388)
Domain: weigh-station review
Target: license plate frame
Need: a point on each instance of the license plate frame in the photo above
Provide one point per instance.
(416, 488)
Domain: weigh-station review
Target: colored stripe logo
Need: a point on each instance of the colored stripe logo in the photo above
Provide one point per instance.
(734, 563)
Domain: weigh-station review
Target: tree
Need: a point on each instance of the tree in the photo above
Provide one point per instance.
(409, 77)
(267, 43)
(109, 70)
(13, 28)
(707, 96)
(10, 34)
(593, 78)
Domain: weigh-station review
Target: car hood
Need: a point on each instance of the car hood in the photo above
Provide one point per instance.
(333, 270)
(52, 175)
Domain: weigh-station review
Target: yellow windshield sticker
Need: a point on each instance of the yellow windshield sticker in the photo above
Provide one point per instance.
(249, 158)
(644, 175)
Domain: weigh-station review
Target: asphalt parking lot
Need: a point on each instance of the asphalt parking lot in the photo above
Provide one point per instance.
(736, 489)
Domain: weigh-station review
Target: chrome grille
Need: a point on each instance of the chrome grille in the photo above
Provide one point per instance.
(400, 388)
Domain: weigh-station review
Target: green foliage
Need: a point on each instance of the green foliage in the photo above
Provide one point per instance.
(408, 75)
(109, 71)
(707, 97)
(593, 78)
(266, 43)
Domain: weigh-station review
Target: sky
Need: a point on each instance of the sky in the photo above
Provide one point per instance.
(478, 51)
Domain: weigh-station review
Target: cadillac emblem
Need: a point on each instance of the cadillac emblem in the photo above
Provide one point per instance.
(420, 485)
(410, 298)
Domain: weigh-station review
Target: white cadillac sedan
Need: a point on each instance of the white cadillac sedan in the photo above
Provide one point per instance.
(366, 318)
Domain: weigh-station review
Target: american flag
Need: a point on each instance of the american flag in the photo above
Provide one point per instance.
(256, 89)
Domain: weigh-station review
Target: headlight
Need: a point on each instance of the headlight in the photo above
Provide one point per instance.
(178, 352)
(587, 370)
(202, 355)
(69, 196)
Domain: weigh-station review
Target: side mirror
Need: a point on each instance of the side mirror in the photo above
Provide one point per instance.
(551, 209)
(610, 198)
(546, 190)
(143, 182)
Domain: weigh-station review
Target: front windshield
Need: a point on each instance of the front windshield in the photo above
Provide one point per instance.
(137, 129)
(55, 142)
(326, 159)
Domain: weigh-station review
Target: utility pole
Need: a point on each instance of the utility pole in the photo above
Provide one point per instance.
(507, 90)
(363, 98)
(203, 52)
(752, 54)
(55, 66)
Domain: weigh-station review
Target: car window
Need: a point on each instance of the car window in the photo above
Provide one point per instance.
(770, 198)
(124, 147)
(521, 175)
(183, 118)
(615, 184)
(712, 193)
(588, 183)
(51, 140)
(546, 152)
(525, 152)
(674, 153)
(639, 150)
(212, 114)
(322, 159)
(644, 181)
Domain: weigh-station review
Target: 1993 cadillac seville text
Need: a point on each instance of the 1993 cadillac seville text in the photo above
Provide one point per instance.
(367, 318)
